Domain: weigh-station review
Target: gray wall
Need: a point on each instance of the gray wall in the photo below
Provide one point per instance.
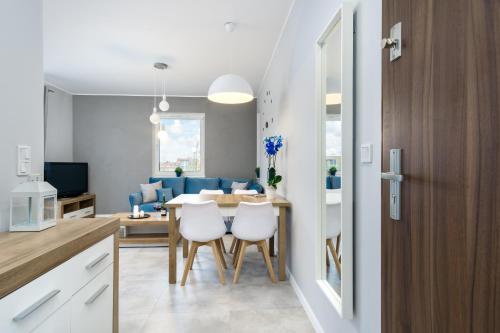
(21, 93)
(291, 80)
(113, 134)
(59, 130)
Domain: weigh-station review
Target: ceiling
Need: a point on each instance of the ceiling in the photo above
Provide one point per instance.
(109, 46)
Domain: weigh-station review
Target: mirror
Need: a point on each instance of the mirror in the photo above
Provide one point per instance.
(335, 57)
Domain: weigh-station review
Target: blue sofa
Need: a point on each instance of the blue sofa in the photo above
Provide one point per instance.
(190, 185)
(333, 182)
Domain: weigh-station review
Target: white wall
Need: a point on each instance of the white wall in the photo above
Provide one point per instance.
(21, 92)
(291, 83)
(59, 128)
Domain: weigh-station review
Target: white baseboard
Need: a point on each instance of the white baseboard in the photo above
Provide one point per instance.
(307, 308)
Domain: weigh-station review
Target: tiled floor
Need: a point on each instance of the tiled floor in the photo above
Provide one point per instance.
(149, 304)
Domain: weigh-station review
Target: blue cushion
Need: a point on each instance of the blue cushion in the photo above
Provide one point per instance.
(336, 182)
(135, 198)
(147, 207)
(225, 183)
(195, 185)
(328, 183)
(175, 183)
(256, 186)
(167, 192)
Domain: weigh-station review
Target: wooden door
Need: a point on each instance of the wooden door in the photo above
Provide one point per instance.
(441, 261)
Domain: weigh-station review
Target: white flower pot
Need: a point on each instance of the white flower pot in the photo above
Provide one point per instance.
(270, 192)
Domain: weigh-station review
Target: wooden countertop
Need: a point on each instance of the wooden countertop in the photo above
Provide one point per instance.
(25, 256)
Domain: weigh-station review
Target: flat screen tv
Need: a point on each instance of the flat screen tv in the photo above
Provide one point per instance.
(70, 179)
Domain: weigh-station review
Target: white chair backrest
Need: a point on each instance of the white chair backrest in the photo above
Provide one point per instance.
(211, 192)
(248, 192)
(202, 222)
(333, 219)
(254, 221)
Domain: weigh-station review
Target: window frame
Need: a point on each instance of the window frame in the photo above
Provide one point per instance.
(156, 144)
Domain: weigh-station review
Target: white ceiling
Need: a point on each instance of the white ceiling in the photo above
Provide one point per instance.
(109, 46)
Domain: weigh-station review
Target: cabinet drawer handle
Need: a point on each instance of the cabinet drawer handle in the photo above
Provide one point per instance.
(96, 294)
(32, 308)
(96, 261)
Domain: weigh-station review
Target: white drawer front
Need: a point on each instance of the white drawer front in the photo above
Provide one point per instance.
(92, 306)
(92, 261)
(29, 306)
(58, 322)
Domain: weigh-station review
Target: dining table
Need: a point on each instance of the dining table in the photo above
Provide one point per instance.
(228, 204)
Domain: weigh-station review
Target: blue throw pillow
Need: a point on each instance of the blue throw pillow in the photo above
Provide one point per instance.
(175, 183)
(167, 192)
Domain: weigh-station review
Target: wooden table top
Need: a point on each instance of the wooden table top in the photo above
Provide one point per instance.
(225, 200)
(154, 219)
(27, 255)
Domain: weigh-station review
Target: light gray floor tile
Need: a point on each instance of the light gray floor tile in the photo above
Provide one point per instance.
(148, 303)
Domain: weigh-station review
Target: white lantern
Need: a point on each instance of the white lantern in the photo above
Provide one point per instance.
(33, 206)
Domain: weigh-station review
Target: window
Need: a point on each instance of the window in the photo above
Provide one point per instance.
(334, 142)
(181, 143)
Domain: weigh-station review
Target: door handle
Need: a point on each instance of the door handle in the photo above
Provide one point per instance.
(395, 178)
(96, 294)
(96, 261)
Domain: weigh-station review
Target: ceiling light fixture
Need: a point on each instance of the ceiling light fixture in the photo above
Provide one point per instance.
(164, 106)
(230, 88)
(154, 118)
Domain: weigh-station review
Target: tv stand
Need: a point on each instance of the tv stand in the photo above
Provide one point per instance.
(76, 207)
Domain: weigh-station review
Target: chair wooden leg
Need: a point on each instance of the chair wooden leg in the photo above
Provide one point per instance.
(267, 259)
(194, 256)
(223, 246)
(241, 254)
(329, 243)
(218, 262)
(189, 262)
(236, 252)
(221, 255)
(233, 244)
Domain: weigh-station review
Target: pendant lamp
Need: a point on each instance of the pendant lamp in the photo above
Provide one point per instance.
(230, 88)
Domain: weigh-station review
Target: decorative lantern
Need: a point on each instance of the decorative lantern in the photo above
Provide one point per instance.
(33, 206)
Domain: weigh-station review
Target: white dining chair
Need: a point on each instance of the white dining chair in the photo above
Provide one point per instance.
(221, 241)
(240, 192)
(247, 192)
(254, 223)
(211, 192)
(333, 230)
(202, 224)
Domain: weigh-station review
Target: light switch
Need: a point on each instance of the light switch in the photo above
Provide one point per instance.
(23, 160)
(366, 153)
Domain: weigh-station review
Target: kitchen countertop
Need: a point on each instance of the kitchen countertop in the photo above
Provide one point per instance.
(24, 256)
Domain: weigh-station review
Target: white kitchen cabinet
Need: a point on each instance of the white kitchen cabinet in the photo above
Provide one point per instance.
(58, 322)
(92, 306)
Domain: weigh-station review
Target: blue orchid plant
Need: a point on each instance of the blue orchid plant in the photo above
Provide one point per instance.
(272, 144)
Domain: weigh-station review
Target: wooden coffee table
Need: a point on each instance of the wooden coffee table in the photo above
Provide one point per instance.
(144, 238)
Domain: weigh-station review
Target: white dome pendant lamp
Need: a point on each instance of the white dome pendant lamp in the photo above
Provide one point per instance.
(164, 106)
(230, 88)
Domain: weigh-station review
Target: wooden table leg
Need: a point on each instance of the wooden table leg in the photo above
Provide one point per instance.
(282, 244)
(172, 247)
(185, 247)
(271, 246)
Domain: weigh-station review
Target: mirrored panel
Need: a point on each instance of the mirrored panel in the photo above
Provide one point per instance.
(336, 160)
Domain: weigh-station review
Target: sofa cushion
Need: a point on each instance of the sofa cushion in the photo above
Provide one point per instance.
(256, 186)
(148, 207)
(238, 186)
(195, 185)
(167, 192)
(149, 191)
(175, 183)
(225, 183)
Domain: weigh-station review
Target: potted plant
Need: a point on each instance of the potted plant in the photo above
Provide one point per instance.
(272, 144)
(178, 171)
(332, 171)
